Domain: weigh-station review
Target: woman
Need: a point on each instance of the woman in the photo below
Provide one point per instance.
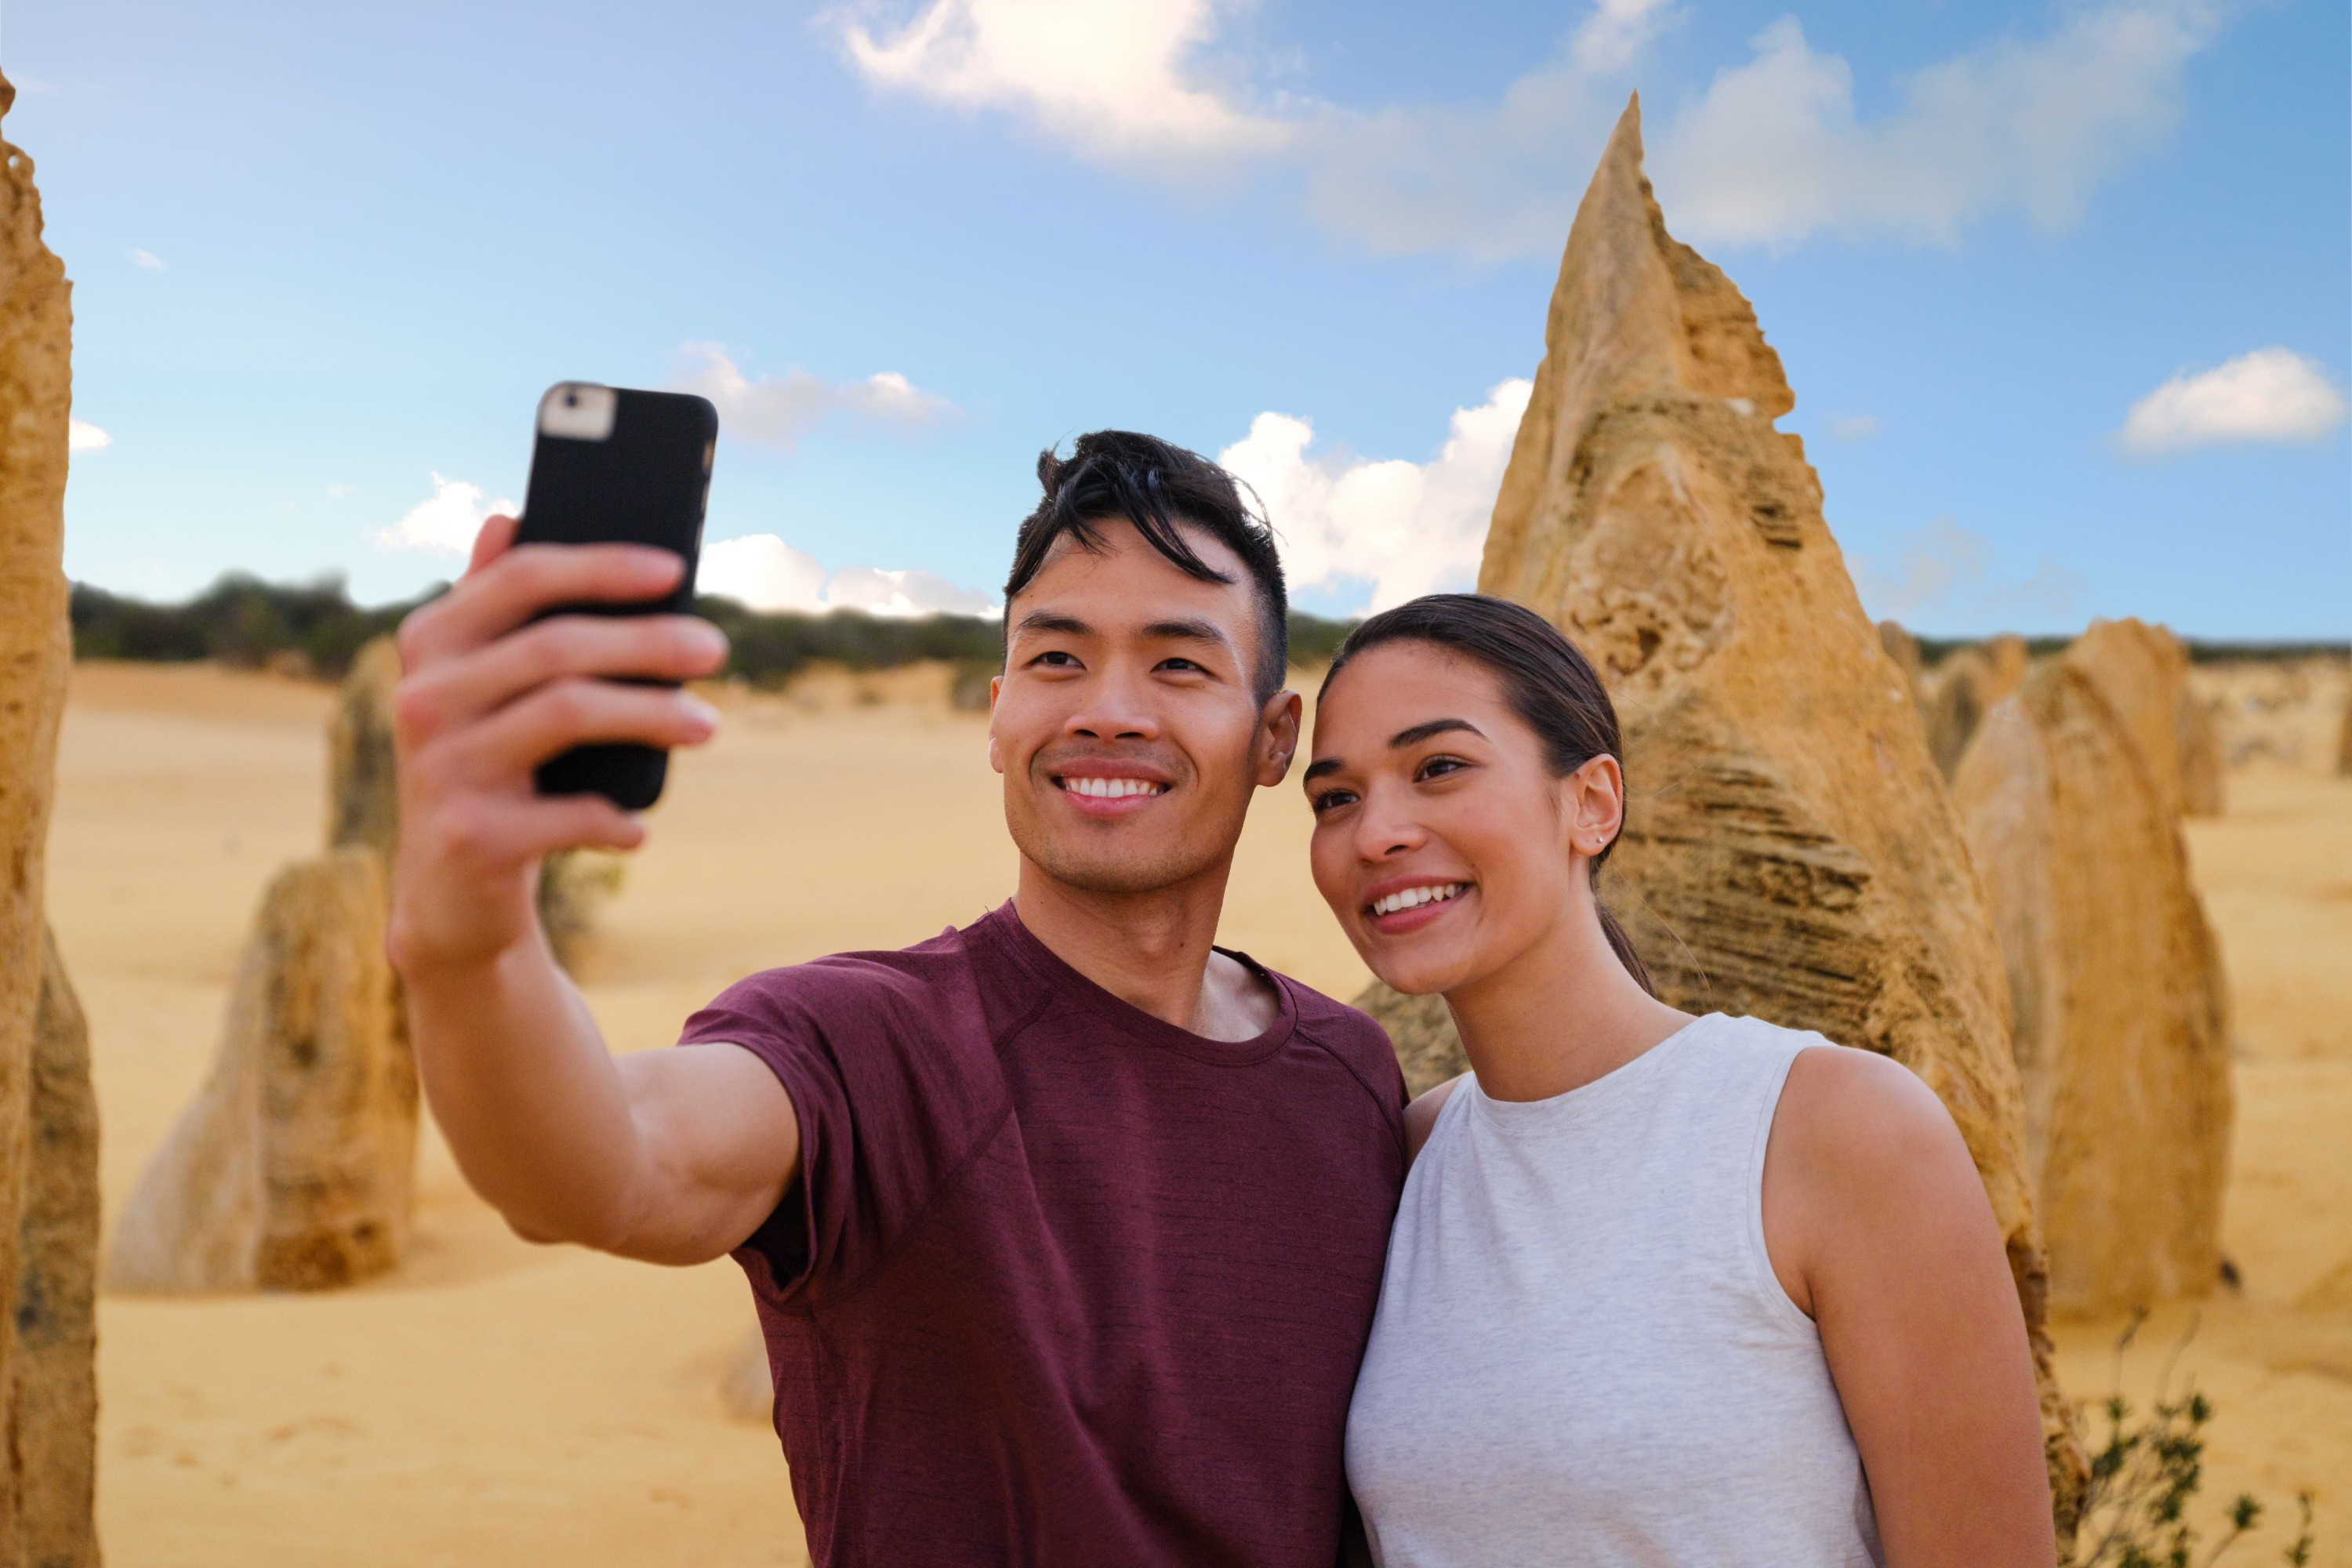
(1662, 1289)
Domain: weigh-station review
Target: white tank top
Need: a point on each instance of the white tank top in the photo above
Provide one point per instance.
(1582, 1354)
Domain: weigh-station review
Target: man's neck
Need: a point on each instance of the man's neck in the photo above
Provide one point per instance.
(1152, 949)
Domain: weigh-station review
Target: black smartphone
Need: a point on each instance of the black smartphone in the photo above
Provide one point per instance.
(614, 466)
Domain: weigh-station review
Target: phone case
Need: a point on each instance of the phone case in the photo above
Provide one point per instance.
(616, 466)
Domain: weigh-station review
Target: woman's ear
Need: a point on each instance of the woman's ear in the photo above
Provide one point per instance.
(1596, 805)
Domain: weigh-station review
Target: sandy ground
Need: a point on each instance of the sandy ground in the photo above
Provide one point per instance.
(494, 1402)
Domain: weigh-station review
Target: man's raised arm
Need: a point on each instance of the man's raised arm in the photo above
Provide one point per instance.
(673, 1156)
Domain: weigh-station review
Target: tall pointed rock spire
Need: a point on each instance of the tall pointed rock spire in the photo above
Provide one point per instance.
(1789, 851)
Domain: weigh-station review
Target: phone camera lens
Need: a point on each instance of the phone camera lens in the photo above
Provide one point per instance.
(570, 400)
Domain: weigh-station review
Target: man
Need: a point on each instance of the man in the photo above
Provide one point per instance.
(1065, 1228)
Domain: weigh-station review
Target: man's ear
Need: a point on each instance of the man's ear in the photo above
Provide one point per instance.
(1279, 737)
(995, 751)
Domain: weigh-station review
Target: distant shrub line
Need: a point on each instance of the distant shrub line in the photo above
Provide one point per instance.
(315, 629)
(1933, 650)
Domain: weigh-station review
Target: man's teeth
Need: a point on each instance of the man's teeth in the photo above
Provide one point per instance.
(1112, 789)
(1413, 897)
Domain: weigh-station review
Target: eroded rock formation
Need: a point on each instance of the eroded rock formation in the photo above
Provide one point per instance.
(362, 789)
(2142, 672)
(2118, 1001)
(53, 1393)
(1955, 695)
(1902, 648)
(1791, 851)
(292, 1168)
(42, 1355)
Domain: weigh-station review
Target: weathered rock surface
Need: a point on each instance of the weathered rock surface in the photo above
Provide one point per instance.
(2142, 672)
(362, 789)
(292, 1170)
(1902, 648)
(35, 401)
(1791, 851)
(2118, 1001)
(1955, 695)
(53, 1395)
(1422, 1030)
(363, 806)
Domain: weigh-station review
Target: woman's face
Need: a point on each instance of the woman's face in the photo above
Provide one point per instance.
(1442, 841)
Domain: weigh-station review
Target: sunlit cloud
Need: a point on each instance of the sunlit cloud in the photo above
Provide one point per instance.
(761, 572)
(146, 260)
(778, 410)
(1400, 529)
(1773, 153)
(446, 523)
(1943, 574)
(81, 435)
(2270, 394)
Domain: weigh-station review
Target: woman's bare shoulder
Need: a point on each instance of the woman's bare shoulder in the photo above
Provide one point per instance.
(1421, 1116)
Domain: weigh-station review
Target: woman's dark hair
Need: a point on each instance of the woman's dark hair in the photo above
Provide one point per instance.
(1549, 686)
(1160, 488)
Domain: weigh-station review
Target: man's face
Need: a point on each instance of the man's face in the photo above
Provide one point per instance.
(1126, 722)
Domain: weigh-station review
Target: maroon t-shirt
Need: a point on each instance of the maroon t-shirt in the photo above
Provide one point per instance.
(1062, 1283)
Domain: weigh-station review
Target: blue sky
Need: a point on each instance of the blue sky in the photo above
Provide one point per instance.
(2062, 289)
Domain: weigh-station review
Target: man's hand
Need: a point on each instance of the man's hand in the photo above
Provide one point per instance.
(675, 1155)
(487, 695)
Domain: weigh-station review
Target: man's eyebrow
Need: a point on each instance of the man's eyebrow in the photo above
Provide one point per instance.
(1053, 621)
(1421, 732)
(1188, 631)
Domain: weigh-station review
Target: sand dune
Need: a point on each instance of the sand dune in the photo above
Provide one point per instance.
(496, 1402)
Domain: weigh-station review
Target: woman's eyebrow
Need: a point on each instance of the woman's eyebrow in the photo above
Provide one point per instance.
(1421, 732)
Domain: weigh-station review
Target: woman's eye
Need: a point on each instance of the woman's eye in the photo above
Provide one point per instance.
(1438, 766)
(1331, 798)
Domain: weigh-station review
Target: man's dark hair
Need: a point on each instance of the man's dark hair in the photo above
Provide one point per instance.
(1161, 489)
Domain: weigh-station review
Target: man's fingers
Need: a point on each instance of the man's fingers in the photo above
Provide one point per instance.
(527, 580)
(457, 690)
(489, 833)
(572, 712)
(498, 532)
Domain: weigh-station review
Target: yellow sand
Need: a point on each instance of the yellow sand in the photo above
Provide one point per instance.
(493, 1401)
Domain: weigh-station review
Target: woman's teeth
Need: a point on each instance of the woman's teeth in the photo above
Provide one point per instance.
(1113, 789)
(1413, 897)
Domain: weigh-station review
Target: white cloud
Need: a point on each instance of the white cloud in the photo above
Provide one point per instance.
(1774, 152)
(1853, 427)
(1944, 573)
(147, 260)
(1771, 153)
(1109, 78)
(1404, 528)
(2270, 394)
(338, 491)
(761, 572)
(777, 410)
(81, 435)
(444, 525)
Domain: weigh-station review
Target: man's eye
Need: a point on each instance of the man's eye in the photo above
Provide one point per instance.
(1331, 798)
(1058, 659)
(1183, 666)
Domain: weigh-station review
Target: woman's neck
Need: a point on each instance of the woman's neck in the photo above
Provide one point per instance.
(1561, 1014)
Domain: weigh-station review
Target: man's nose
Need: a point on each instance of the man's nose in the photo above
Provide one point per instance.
(1115, 706)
